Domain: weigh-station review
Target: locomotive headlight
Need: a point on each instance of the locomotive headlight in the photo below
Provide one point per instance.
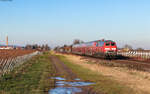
(113, 48)
(107, 48)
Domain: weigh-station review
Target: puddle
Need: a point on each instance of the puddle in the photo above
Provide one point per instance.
(60, 83)
(77, 79)
(58, 78)
(79, 83)
(65, 87)
(65, 90)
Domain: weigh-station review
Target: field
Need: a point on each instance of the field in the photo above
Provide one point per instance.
(12, 58)
(57, 73)
(32, 77)
(5, 54)
(110, 75)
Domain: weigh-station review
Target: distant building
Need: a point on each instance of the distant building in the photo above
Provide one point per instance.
(6, 47)
(126, 49)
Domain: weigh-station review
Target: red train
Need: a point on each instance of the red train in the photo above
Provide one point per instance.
(99, 48)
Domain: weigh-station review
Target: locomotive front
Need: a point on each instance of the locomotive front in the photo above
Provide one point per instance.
(110, 48)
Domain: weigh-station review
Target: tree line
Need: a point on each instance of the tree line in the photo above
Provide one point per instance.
(37, 47)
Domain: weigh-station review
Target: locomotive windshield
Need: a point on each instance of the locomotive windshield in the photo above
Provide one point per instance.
(107, 44)
(112, 44)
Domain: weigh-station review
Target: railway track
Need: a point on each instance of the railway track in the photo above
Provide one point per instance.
(138, 65)
(129, 63)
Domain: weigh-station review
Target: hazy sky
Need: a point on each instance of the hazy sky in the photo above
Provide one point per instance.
(58, 22)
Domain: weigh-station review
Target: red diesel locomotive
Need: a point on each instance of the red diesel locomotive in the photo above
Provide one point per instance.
(99, 48)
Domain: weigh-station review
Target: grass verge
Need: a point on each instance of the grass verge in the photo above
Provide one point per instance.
(103, 84)
(33, 77)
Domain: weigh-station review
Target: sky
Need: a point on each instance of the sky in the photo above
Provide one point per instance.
(59, 22)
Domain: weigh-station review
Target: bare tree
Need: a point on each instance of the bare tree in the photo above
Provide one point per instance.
(35, 46)
(128, 47)
(139, 49)
(28, 46)
(38, 47)
(65, 45)
(56, 48)
(77, 41)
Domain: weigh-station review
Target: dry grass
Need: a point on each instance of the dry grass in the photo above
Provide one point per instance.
(137, 80)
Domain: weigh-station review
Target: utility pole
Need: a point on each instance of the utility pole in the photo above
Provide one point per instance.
(7, 41)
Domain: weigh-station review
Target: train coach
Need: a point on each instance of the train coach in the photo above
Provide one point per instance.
(99, 48)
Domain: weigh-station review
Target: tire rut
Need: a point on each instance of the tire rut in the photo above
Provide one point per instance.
(63, 70)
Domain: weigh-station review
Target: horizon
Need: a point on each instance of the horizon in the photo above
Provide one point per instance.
(59, 22)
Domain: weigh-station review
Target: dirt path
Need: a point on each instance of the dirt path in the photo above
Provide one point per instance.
(63, 71)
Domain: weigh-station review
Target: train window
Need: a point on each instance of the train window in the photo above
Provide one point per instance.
(91, 43)
(107, 44)
(101, 43)
(87, 44)
(96, 44)
(112, 44)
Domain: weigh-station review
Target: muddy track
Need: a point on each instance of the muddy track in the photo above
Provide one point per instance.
(62, 69)
(67, 73)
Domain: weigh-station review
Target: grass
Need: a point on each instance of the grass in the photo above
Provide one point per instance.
(33, 77)
(103, 84)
